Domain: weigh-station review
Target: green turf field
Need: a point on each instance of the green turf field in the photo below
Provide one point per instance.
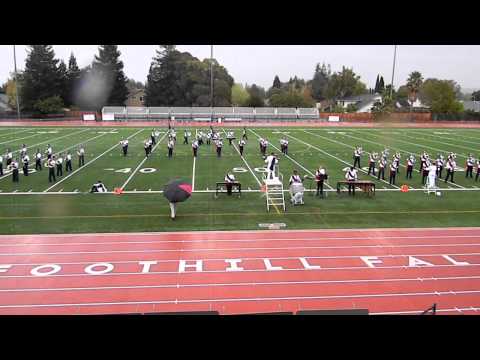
(36, 206)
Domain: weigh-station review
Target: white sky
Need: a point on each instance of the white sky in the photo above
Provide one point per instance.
(260, 63)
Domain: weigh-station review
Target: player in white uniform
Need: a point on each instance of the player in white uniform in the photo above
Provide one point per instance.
(68, 162)
(271, 162)
(9, 157)
(410, 164)
(59, 164)
(49, 152)
(356, 156)
(81, 156)
(98, 187)
(14, 166)
(195, 148)
(38, 160)
(351, 175)
(170, 146)
(320, 177)
(371, 163)
(469, 166)
(51, 169)
(432, 176)
(450, 169)
(26, 161)
(241, 145)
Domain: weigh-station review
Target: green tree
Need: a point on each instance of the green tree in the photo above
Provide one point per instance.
(239, 95)
(41, 78)
(73, 79)
(277, 84)
(345, 83)
(63, 81)
(475, 96)
(376, 83)
(51, 105)
(414, 83)
(108, 68)
(319, 82)
(381, 85)
(256, 96)
(440, 96)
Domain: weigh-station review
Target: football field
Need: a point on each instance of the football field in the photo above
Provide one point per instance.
(36, 206)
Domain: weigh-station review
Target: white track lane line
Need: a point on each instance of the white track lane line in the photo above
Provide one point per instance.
(88, 163)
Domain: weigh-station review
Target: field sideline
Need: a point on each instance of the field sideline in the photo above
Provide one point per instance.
(65, 207)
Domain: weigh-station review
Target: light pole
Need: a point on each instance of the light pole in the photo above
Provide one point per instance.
(393, 71)
(16, 83)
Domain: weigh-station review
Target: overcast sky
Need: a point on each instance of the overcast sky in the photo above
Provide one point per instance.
(260, 63)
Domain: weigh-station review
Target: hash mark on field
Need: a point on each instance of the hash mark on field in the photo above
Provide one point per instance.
(76, 190)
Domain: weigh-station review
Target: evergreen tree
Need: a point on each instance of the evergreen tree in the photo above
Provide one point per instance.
(277, 83)
(73, 78)
(108, 68)
(62, 81)
(381, 85)
(377, 83)
(320, 81)
(41, 78)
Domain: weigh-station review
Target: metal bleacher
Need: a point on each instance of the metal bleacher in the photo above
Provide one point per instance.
(119, 113)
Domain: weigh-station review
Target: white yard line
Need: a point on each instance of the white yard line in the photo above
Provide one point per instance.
(292, 159)
(194, 163)
(138, 192)
(26, 137)
(70, 147)
(141, 163)
(333, 156)
(246, 163)
(14, 133)
(91, 161)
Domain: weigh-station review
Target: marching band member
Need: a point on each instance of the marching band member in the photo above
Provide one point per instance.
(38, 160)
(469, 164)
(244, 135)
(59, 164)
(410, 164)
(146, 146)
(81, 156)
(14, 167)
(98, 187)
(432, 175)
(423, 159)
(284, 145)
(219, 144)
(371, 163)
(9, 157)
(351, 176)
(229, 180)
(1, 165)
(25, 160)
(185, 137)
(396, 160)
(152, 137)
(23, 152)
(382, 164)
(241, 145)
(124, 144)
(478, 169)
(320, 177)
(271, 162)
(424, 171)
(49, 152)
(200, 136)
(195, 148)
(356, 156)
(51, 169)
(393, 172)
(385, 154)
(295, 178)
(174, 135)
(209, 137)
(170, 146)
(68, 162)
(450, 168)
(230, 137)
(440, 162)
(261, 146)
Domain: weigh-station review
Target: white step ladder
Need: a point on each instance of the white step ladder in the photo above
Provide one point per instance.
(274, 191)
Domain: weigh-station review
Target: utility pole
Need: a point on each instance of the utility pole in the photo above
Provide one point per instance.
(393, 71)
(211, 76)
(16, 83)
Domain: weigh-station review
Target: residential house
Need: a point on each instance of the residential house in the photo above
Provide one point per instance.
(136, 97)
(363, 103)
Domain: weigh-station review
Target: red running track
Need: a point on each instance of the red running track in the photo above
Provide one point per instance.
(392, 271)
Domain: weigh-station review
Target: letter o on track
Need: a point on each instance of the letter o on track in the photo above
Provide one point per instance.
(54, 268)
(107, 268)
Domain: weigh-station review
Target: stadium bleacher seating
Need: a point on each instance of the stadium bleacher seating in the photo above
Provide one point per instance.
(119, 113)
